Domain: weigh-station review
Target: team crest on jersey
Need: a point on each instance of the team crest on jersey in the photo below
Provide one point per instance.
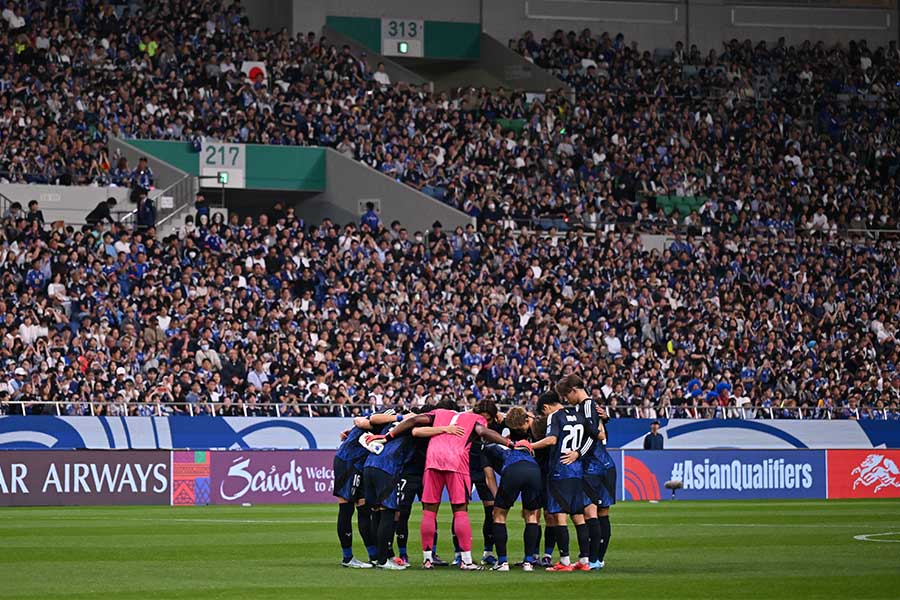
(877, 470)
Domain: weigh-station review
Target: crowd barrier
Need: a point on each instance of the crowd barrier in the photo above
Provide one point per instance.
(200, 477)
(272, 433)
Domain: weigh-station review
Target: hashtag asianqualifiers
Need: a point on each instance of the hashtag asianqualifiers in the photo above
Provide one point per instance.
(776, 474)
(725, 474)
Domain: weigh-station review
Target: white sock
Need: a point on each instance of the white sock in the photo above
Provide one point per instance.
(466, 557)
(583, 560)
(564, 560)
(427, 554)
(487, 553)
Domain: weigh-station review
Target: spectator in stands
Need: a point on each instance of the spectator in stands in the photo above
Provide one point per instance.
(34, 215)
(146, 211)
(381, 77)
(370, 219)
(142, 176)
(102, 213)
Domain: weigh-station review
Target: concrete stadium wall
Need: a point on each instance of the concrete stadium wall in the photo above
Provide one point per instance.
(309, 15)
(65, 203)
(706, 23)
(351, 184)
(712, 21)
(658, 24)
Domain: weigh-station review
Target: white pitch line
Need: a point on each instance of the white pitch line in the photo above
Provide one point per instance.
(112, 520)
(868, 537)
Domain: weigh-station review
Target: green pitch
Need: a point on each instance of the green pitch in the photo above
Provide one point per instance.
(776, 549)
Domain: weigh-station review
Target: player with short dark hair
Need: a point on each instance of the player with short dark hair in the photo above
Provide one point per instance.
(484, 479)
(521, 475)
(599, 478)
(566, 429)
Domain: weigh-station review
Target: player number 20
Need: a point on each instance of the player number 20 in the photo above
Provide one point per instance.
(574, 434)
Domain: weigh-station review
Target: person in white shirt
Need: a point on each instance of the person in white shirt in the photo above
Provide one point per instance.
(820, 220)
(381, 76)
(257, 377)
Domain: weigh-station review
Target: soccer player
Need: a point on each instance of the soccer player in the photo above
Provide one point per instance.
(566, 429)
(520, 475)
(348, 465)
(382, 480)
(483, 478)
(599, 478)
(447, 466)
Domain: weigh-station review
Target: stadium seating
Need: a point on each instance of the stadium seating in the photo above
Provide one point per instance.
(759, 159)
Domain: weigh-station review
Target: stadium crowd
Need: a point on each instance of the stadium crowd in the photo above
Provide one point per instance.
(768, 137)
(250, 313)
(747, 310)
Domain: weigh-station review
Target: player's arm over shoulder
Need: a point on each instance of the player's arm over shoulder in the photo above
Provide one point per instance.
(408, 424)
(553, 426)
(488, 434)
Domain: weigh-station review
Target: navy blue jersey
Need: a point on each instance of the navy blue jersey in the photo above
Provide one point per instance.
(395, 454)
(570, 428)
(593, 452)
(476, 461)
(499, 457)
(416, 463)
(351, 451)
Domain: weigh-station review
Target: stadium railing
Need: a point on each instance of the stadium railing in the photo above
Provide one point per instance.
(157, 409)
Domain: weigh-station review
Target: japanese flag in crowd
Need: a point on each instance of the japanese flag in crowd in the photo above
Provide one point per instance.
(255, 71)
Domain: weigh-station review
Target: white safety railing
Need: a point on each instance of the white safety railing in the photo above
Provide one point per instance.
(160, 409)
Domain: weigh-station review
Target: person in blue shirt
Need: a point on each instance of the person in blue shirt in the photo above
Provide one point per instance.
(599, 471)
(370, 217)
(142, 176)
(521, 475)
(348, 465)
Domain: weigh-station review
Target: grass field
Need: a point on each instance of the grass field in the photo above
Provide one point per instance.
(776, 549)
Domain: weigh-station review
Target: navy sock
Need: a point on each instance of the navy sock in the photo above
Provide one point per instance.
(532, 540)
(501, 536)
(584, 540)
(386, 526)
(549, 539)
(403, 531)
(562, 539)
(345, 529)
(596, 538)
(605, 533)
(366, 532)
(487, 528)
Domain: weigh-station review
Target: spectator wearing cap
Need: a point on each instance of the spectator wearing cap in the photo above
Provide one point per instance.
(654, 440)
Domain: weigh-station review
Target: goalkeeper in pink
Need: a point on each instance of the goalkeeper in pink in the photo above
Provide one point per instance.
(447, 467)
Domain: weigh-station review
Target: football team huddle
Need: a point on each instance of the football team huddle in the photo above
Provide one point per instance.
(555, 461)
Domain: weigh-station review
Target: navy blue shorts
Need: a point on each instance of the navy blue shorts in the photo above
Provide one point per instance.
(380, 488)
(601, 489)
(566, 496)
(480, 482)
(408, 489)
(520, 478)
(347, 480)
